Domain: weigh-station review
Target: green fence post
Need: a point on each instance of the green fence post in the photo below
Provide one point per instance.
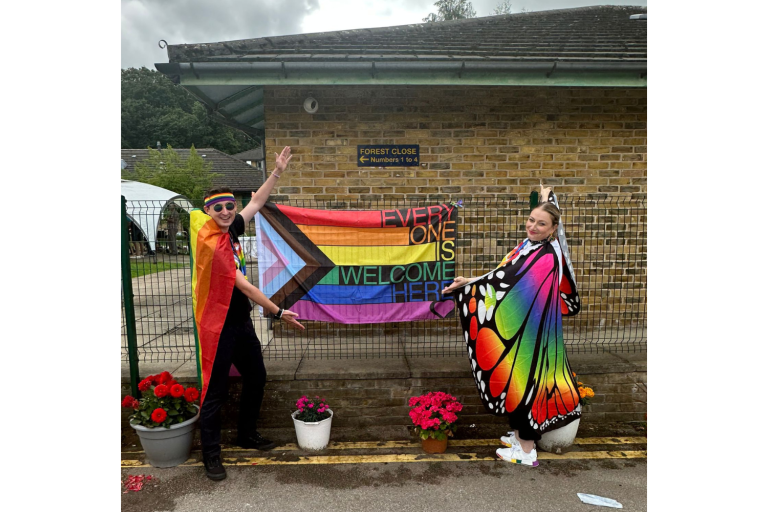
(194, 320)
(534, 199)
(130, 313)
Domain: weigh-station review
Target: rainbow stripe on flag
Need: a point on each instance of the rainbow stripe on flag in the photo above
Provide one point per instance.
(355, 267)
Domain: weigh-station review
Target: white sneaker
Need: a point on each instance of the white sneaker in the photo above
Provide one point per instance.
(509, 440)
(516, 455)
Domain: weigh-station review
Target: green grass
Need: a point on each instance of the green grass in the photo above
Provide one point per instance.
(143, 268)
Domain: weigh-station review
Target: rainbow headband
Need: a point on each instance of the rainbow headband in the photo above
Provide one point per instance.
(218, 198)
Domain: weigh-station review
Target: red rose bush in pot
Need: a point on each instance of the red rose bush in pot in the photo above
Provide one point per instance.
(164, 419)
(434, 417)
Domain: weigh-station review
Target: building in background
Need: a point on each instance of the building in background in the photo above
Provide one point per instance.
(494, 104)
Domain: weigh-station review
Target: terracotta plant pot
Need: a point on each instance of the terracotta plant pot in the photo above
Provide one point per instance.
(430, 445)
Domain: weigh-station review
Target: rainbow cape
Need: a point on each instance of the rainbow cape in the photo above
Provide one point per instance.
(213, 279)
(354, 267)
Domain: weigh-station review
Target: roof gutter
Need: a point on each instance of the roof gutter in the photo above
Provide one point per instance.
(422, 72)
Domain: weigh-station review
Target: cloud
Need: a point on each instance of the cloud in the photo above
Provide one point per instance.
(145, 22)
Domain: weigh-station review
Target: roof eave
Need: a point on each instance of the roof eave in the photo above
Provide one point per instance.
(456, 71)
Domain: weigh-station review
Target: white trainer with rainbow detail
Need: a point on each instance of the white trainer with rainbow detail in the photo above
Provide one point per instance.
(516, 455)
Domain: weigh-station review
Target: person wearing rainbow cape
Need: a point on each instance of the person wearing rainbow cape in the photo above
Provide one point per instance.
(512, 323)
(220, 293)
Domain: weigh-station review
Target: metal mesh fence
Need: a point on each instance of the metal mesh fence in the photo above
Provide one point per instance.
(606, 237)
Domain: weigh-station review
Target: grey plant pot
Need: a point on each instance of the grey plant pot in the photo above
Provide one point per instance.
(167, 447)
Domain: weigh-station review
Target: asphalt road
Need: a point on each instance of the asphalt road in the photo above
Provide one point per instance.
(393, 487)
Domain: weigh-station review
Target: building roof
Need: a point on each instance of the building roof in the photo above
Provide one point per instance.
(234, 173)
(584, 46)
(585, 34)
(254, 154)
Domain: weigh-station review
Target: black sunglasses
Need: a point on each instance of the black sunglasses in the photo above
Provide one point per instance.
(218, 207)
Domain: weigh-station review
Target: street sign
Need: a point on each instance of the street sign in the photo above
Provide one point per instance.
(388, 155)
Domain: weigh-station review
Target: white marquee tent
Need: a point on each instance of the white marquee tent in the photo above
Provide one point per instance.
(146, 203)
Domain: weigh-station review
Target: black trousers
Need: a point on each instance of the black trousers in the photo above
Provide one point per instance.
(524, 429)
(240, 346)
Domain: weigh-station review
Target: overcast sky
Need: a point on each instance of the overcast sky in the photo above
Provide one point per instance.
(145, 22)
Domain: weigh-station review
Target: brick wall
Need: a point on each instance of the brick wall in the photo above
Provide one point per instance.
(490, 141)
(359, 397)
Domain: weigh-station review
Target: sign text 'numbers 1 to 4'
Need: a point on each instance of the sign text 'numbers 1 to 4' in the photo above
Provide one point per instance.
(386, 155)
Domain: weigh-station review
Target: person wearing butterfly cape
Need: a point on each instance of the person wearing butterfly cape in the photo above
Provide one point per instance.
(512, 323)
(223, 317)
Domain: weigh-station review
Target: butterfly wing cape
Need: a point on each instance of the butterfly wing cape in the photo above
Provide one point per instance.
(213, 279)
(512, 323)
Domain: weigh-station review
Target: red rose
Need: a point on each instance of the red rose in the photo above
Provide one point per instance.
(145, 384)
(161, 390)
(128, 401)
(159, 415)
(177, 390)
(191, 394)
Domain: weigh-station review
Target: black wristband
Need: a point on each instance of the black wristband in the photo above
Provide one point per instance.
(279, 313)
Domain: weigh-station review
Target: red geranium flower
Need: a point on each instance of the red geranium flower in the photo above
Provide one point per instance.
(161, 390)
(128, 401)
(159, 415)
(191, 394)
(177, 390)
(145, 384)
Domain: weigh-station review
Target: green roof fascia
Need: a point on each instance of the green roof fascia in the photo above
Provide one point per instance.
(589, 74)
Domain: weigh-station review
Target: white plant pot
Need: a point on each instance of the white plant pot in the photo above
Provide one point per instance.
(313, 436)
(555, 441)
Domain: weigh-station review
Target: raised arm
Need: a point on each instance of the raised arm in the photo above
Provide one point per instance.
(260, 197)
(546, 195)
(259, 298)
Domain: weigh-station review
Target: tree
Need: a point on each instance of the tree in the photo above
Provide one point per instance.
(504, 7)
(155, 109)
(165, 168)
(451, 10)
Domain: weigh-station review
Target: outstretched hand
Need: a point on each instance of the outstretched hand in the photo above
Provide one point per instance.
(457, 283)
(281, 160)
(290, 318)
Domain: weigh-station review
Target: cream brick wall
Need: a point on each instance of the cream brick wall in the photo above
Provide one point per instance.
(474, 141)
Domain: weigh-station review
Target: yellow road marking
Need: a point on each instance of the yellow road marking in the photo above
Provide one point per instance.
(372, 445)
(401, 457)
(610, 440)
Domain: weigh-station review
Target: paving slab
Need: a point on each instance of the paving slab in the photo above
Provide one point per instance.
(284, 369)
(150, 369)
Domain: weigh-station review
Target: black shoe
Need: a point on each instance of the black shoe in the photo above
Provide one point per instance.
(213, 468)
(255, 441)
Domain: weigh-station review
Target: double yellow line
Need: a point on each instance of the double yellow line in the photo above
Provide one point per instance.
(410, 457)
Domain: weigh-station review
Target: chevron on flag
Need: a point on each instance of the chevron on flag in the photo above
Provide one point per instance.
(358, 266)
